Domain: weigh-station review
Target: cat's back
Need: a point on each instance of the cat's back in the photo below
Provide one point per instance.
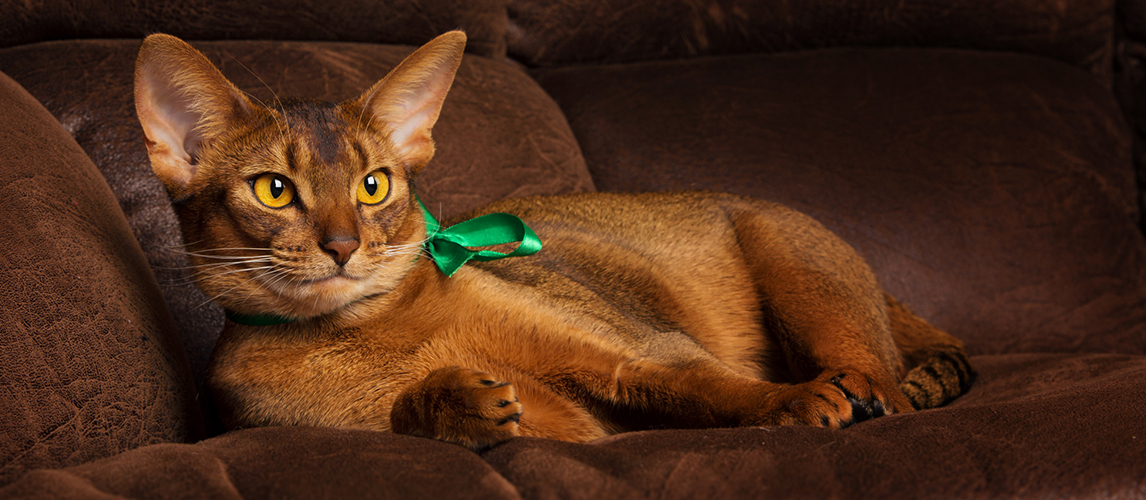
(650, 265)
(665, 212)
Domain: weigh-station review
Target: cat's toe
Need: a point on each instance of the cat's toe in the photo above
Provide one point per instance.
(812, 403)
(868, 398)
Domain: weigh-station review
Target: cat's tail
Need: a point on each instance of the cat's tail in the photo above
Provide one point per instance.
(938, 370)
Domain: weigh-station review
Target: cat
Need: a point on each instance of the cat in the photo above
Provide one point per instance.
(677, 310)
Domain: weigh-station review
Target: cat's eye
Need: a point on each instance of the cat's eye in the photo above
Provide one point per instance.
(274, 190)
(374, 188)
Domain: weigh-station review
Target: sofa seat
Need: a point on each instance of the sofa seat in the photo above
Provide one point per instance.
(1035, 425)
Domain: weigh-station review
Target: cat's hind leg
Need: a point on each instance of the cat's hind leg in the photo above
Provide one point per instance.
(822, 307)
(938, 369)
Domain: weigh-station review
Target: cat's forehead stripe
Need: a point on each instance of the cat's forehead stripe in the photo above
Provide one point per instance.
(319, 127)
(363, 159)
(291, 159)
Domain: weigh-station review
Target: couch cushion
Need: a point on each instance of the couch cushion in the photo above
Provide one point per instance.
(1043, 425)
(544, 32)
(499, 134)
(280, 462)
(89, 362)
(1034, 426)
(404, 21)
(994, 193)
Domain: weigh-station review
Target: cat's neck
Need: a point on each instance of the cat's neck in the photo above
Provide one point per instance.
(422, 294)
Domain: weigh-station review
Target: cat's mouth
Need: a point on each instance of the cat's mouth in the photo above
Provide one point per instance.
(338, 283)
(307, 291)
(319, 295)
(337, 280)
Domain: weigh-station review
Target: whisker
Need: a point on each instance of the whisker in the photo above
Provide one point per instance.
(183, 248)
(215, 265)
(278, 125)
(229, 290)
(277, 273)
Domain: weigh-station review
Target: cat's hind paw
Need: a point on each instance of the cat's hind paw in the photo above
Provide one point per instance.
(835, 399)
(868, 398)
(815, 403)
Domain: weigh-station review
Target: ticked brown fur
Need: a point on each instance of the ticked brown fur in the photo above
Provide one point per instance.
(641, 311)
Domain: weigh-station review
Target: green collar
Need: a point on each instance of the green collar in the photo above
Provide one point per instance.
(449, 248)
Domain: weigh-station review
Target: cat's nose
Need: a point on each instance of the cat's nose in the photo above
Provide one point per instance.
(340, 249)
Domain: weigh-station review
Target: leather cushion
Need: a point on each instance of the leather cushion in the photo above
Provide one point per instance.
(89, 362)
(994, 193)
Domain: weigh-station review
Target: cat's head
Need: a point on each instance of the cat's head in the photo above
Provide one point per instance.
(297, 207)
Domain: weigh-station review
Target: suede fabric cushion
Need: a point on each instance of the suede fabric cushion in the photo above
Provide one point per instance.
(546, 32)
(89, 362)
(401, 21)
(499, 135)
(1034, 426)
(993, 193)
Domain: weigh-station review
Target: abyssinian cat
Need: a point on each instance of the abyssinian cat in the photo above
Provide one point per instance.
(683, 310)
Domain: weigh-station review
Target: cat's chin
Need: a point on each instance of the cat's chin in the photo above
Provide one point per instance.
(313, 298)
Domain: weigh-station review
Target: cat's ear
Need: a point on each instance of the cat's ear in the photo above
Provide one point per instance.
(182, 100)
(406, 103)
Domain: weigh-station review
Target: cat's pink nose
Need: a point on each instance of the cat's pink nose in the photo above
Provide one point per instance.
(340, 249)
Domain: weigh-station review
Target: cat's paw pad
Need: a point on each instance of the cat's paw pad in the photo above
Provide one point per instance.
(461, 406)
(868, 398)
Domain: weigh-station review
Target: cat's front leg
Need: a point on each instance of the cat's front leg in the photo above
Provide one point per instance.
(458, 405)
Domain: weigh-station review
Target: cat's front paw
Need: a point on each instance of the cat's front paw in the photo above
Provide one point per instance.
(458, 405)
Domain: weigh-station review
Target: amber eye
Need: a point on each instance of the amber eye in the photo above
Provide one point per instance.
(374, 188)
(274, 190)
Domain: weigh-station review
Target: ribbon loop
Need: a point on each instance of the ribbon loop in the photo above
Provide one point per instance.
(452, 247)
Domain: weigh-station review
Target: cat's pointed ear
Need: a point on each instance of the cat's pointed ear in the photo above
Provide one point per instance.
(406, 103)
(182, 100)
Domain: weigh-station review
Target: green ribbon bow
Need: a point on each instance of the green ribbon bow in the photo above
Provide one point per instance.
(451, 248)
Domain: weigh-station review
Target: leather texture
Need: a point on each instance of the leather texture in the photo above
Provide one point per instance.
(91, 364)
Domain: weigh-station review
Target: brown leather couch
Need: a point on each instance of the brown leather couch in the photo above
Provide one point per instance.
(981, 155)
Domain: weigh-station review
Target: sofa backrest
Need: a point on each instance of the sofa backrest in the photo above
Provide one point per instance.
(546, 32)
(401, 22)
(1077, 32)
